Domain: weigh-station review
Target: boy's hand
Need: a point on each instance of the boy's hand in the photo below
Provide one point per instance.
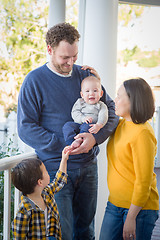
(95, 128)
(65, 155)
(66, 152)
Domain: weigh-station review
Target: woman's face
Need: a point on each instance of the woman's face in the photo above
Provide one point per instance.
(122, 104)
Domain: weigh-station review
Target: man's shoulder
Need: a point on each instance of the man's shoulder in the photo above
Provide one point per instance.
(37, 71)
(35, 75)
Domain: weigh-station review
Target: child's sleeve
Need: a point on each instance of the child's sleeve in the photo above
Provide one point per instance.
(103, 114)
(57, 184)
(20, 226)
(76, 113)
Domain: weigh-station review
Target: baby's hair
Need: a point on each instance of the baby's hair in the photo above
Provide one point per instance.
(25, 175)
(91, 78)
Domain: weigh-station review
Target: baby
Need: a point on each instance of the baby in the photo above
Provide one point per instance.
(89, 113)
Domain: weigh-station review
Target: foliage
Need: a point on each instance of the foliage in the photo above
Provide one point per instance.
(144, 59)
(72, 12)
(128, 54)
(10, 150)
(128, 12)
(11, 108)
(149, 62)
(23, 27)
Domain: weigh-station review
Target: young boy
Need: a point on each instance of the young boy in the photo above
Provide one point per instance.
(37, 216)
(89, 113)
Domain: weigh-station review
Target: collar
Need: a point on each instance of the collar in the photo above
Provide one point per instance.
(59, 74)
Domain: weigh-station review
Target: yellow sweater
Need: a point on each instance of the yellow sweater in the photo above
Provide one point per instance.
(131, 152)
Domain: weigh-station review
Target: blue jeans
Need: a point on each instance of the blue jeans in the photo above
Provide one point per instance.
(71, 129)
(114, 218)
(77, 203)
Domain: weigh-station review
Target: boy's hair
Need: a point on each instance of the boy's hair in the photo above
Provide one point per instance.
(25, 175)
(90, 79)
(141, 100)
(61, 32)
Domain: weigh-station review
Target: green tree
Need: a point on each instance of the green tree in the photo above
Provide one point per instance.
(127, 12)
(72, 12)
(23, 27)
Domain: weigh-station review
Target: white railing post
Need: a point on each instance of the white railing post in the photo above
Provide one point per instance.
(7, 204)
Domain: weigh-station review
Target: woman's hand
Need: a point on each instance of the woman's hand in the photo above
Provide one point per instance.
(92, 70)
(129, 229)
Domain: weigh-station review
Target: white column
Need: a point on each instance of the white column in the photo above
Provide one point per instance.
(100, 51)
(56, 12)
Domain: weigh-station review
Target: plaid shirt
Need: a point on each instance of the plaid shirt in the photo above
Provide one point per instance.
(29, 222)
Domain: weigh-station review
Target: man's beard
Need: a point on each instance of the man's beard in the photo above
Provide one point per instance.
(60, 69)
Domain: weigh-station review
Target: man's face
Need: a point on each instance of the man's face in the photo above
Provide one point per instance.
(63, 57)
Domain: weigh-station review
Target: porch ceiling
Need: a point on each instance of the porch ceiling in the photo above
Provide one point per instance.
(142, 2)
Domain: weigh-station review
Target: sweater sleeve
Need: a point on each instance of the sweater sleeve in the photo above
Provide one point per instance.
(76, 113)
(112, 122)
(144, 150)
(30, 104)
(103, 114)
(57, 184)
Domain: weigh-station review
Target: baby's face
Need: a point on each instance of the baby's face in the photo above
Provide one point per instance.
(91, 92)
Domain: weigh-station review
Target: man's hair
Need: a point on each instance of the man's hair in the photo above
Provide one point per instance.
(90, 79)
(62, 32)
(25, 175)
(141, 100)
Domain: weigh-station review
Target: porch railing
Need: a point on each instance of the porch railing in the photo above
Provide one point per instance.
(7, 163)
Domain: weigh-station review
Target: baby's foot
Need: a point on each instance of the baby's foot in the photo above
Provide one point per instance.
(76, 143)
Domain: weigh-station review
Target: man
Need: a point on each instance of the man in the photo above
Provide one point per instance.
(44, 106)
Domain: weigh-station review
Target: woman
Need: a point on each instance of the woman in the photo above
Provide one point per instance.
(133, 203)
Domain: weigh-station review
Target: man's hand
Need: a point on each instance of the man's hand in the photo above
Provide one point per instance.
(95, 128)
(92, 70)
(87, 144)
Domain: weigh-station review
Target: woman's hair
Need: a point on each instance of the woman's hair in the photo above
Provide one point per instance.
(25, 175)
(141, 99)
(62, 32)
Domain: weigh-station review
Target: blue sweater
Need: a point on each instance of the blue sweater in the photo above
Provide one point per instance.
(44, 106)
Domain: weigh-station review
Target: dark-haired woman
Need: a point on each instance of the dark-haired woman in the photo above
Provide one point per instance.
(133, 203)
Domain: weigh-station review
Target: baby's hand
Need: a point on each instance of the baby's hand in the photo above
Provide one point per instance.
(66, 152)
(95, 128)
(88, 120)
